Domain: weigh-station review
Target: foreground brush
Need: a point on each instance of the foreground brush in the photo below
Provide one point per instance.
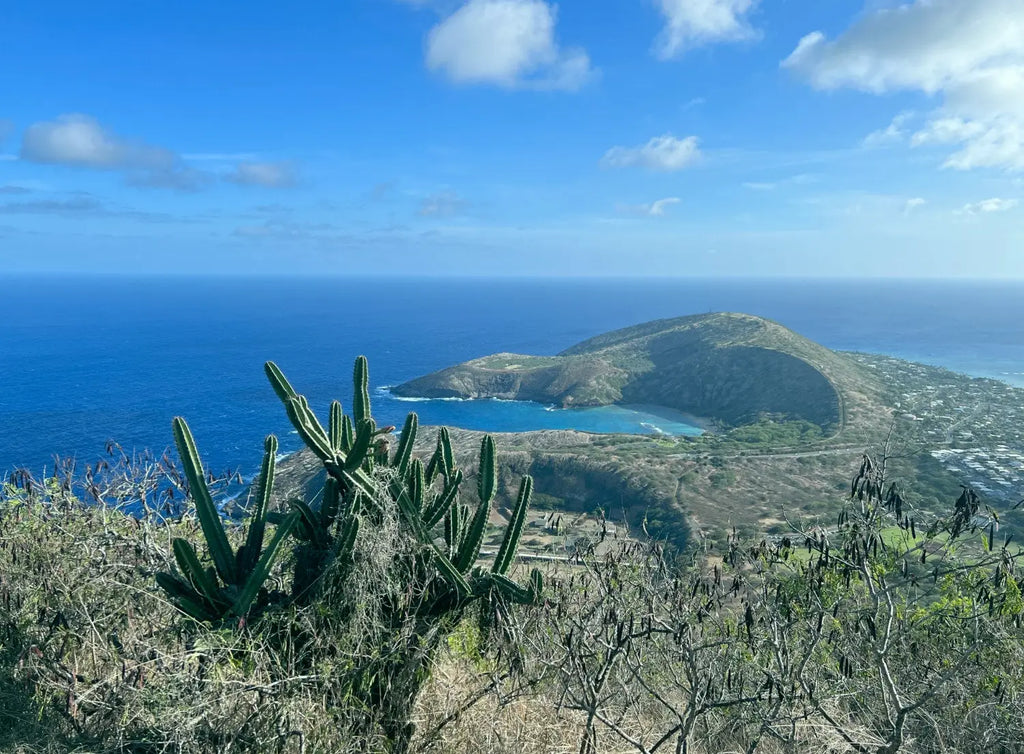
(436, 562)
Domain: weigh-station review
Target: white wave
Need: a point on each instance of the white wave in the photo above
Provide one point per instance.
(418, 399)
(655, 428)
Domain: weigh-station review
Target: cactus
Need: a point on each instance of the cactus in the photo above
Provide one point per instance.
(422, 508)
(360, 390)
(446, 533)
(438, 565)
(235, 582)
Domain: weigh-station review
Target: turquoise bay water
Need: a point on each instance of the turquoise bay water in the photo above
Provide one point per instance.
(492, 415)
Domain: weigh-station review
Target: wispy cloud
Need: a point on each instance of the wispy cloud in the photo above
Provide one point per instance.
(988, 206)
(894, 133)
(913, 203)
(508, 43)
(656, 208)
(692, 23)
(663, 153)
(80, 141)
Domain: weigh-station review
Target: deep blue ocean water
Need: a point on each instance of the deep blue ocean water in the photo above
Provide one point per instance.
(89, 359)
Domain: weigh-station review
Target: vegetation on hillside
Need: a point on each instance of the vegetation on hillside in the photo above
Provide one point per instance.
(731, 368)
(133, 619)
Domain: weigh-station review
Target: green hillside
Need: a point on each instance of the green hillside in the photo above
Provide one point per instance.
(728, 367)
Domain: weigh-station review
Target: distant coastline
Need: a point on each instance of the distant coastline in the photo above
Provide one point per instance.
(196, 346)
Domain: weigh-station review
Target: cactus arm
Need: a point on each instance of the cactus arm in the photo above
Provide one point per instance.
(309, 522)
(194, 573)
(409, 512)
(317, 441)
(487, 479)
(334, 426)
(185, 598)
(536, 584)
(433, 466)
(262, 569)
(511, 589)
(444, 444)
(470, 547)
(452, 527)
(258, 520)
(279, 382)
(509, 544)
(347, 433)
(360, 390)
(347, 539)
(209, 517)
(412, 518)
(405, 443)
(436, 510)
(331, 501)
(311, 420)
(361, 446)
(451, 574)
(417, 484)
(517, 593)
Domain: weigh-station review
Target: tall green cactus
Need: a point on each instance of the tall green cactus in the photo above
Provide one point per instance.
(447, 536)
(421, 507)
(234, 584)
(438, 565)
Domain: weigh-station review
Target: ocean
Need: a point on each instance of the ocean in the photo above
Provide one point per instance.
(84, 360)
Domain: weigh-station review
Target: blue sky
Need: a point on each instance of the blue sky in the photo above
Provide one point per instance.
(514, 137)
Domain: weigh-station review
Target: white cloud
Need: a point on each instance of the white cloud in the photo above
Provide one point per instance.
(663, 153)
(657, 208)
(691, 23)
(921, 45)
(988, 206)
(654, 209)
(913, 204)
(894, 133)
(80, 140)
(266, 174)
(971, 52)
(509, 43)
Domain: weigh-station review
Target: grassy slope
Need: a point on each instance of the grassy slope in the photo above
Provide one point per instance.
(728, 367)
